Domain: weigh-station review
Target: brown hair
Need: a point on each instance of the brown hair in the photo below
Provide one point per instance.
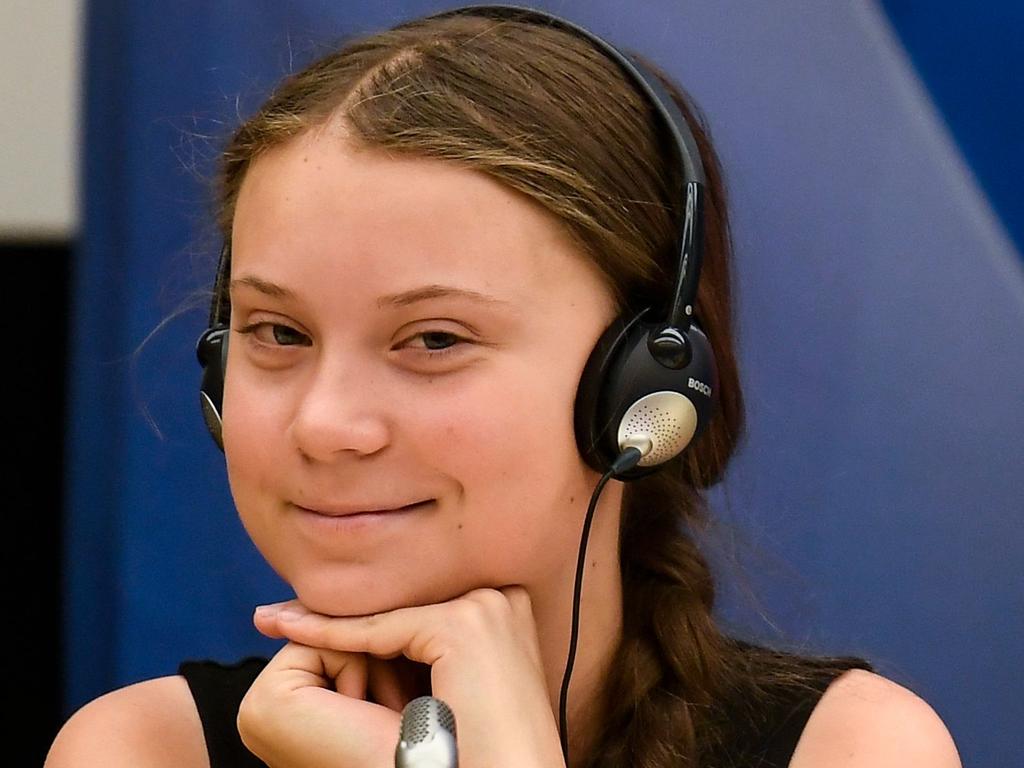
(511, 99)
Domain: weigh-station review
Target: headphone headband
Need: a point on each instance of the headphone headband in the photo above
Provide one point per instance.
(659, 98)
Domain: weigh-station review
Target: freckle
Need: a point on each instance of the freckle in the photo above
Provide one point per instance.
(572, 499)
(460, 526)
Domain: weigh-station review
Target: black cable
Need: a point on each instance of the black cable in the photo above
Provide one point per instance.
(626, 461)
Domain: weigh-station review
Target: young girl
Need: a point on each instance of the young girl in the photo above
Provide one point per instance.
(429, 233)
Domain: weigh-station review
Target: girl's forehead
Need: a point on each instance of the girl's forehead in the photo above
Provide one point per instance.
(316, 207)
(320, 173)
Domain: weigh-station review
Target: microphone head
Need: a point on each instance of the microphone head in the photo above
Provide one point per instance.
(427, 738)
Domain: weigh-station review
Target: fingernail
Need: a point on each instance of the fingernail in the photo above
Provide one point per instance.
(290, 613)
(266, 611)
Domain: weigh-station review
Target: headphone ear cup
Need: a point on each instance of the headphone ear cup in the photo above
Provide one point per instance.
(625, 392)
(212, 351)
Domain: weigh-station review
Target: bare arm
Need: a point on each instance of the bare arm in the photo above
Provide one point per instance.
(867, 721)
(152, 724)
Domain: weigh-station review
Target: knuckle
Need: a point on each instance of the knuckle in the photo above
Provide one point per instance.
(251, 712)
(250, 731)
(491, 599)
(518, 597)
(336, 661)
(364, 635)
(482, 609)
(468, 614)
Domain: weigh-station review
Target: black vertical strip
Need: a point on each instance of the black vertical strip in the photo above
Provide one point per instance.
(35, 350)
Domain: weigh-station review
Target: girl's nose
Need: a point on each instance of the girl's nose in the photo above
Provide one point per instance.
(339, 413)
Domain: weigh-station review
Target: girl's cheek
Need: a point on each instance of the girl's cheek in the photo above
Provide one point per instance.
(254, 426)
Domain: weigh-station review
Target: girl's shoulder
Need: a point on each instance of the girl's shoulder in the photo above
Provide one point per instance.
(803, 710)
(151, 724)
(864, 719)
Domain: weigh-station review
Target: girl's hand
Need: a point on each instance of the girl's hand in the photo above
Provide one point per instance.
(306, 709)
(485, 664)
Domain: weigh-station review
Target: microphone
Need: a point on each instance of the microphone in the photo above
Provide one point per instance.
(427, 738)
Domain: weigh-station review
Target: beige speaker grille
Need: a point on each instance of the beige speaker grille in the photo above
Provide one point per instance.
(667, 418)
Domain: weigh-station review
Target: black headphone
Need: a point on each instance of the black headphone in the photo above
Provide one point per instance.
(651, 381)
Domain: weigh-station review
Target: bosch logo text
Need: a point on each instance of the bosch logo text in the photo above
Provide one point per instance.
(700, 386)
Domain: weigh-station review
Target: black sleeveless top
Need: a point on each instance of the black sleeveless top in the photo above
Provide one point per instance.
(218, 690)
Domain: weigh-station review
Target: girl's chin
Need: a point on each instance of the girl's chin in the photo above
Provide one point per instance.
(333, 604)
(336, 600)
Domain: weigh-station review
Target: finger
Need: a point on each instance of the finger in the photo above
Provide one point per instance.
(266, 626)
(406, 679)
(283, 713)
(421, 633)
(384, 686)
(522, 608)
(351, 679)
(263, 617)
(298, 666)
(406, 631)
(519, 599)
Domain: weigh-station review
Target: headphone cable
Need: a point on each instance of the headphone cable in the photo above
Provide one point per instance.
(625, 461)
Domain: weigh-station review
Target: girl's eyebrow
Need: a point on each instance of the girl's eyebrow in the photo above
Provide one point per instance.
(263, 286)
(436, 292)
(403, 299)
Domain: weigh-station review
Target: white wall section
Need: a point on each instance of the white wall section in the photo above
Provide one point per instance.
(40, 72)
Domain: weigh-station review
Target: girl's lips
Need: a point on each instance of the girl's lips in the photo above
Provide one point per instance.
(341, 511)
(320, 526)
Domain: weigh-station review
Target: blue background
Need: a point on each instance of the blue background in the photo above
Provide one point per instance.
(875, 506)
(969, 56)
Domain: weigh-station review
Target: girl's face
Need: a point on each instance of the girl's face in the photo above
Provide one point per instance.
(404, 331)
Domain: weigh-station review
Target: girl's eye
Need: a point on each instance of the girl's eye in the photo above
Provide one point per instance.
(280, 335)
(438, 343)
(435, 343)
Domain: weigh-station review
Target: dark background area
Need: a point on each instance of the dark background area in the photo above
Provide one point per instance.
(36, 336)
